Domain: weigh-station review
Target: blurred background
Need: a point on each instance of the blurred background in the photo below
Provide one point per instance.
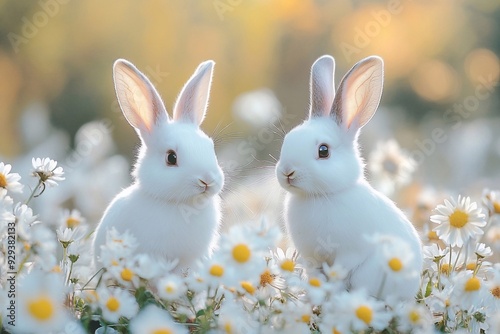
(436, 133)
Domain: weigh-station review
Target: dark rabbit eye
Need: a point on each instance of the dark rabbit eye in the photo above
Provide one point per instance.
(171, 158)
(323, 152)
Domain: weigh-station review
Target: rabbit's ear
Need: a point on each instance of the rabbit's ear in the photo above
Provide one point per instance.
(192, 102)
(140, 102)
(322, 86)
(359, 93)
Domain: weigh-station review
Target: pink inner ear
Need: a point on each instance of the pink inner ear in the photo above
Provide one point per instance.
(139, 101)
(359, 93)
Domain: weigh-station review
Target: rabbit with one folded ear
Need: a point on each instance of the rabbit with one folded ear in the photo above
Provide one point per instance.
(330, 210)
(173, 207)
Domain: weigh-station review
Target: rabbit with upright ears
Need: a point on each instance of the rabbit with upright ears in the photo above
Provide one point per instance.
(172, 208)
(331, 211)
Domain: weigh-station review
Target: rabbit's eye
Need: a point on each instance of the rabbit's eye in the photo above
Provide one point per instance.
(171, 158)
(323, 152)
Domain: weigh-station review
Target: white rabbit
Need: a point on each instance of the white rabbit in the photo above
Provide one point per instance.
(330, 209)
(173, 207)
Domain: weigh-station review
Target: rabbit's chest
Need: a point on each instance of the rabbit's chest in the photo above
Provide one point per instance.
(323, 229)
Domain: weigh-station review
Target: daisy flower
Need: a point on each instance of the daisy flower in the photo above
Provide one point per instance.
(390, 165)
(66, 236)
(124, 273)
(458, 221)
(468, 289)
(116, 303)
(316, 289)
(397, 257)
(493, 285)
(6, 207)
(270, 283)
(482, 250)
(233, 319)
(40, 303)
(414, 316)
(286, 261)
(491, 200)
(47, 171)
(244, 249)
(493, 237)
(24, 220)
(118, 246)
(149, 269)
(8, 180)
(154, 320)
(71, 219)
(428, 235)
(433, 254)
(171, 287)
(359, 312)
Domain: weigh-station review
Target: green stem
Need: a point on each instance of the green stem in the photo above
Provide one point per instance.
(456, 260)
(23, 262)
(449, 264)
(34, 192)
(70, 272)
(382, 285)
(90, 280)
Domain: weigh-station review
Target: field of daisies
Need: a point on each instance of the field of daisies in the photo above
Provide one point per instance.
(254, 282)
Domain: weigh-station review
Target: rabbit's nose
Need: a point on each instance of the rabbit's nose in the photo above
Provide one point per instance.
(205, 183)
(289, 176)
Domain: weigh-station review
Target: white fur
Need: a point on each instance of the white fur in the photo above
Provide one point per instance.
(168, 209)
(330, 207)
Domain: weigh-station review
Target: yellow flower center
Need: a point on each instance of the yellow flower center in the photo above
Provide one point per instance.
(26, 246)
(72, 222)
(365, 314)
(216, 270)
(41, 309)
(169, 288)
(414, 316)
(114, 263)
(56, 269)
(113, 304)
(305, 318)
(470, 266)
(395, 264)
(459, 219)
(496, 207)
(127, 274)
(315, 282)
(432, 235)
(288, 265)
(472, 284)
(162, 331)
(228, 328)
(445, 268)
(335, 331)
(3, 181)
(241, 253)
(91, 296)
(496, 292)
(266, 278)
(248, 287)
